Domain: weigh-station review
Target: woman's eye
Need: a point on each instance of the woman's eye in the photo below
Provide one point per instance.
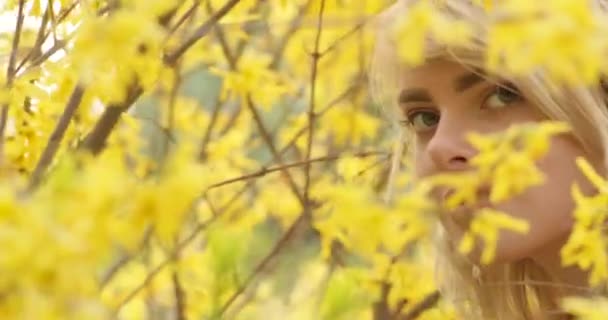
(422, 120)
(501, 96)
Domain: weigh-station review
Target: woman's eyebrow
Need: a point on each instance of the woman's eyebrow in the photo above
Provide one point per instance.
(414, 95)
(468, 80)
(461, 83)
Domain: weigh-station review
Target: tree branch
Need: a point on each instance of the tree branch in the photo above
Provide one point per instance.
(261, 266)
(264, 171)
(291, 142)
(96, 139)
(343, 37)
(233, 59)
(202, 226)
(10, 73)
(311, 108)
(37, 56)
(173, 95)
(427, 303)
(55, 139)
(202, 155)
(293, 27)
(188, 14)
(122, 261)
(180, 294)
(40, 37)
(202, 31)
(275, 154)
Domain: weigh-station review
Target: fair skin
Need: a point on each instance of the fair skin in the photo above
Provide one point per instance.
(444, 100)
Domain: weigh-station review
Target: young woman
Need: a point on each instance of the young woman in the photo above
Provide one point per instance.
(451, 94)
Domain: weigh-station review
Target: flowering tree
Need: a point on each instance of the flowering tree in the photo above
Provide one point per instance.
(167, 159)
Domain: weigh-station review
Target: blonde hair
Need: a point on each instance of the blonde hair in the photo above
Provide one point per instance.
(521, 289)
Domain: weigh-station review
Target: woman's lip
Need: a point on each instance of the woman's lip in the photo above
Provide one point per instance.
(483, 193)
(463, 214)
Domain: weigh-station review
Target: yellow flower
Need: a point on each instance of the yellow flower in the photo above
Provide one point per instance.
(486, 225)
(586, 246)
(423, 20)
(586, 308)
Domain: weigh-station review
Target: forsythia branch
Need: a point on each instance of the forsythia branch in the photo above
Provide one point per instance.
(293, 27)
(427, 303)
(311, 109)
(277, 157)
(10, 73)
(264, 171)
(95, 141)
(55, 139)
(261, 266)
(202, 31)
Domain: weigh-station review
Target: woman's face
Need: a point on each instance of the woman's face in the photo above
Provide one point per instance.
(443, 101)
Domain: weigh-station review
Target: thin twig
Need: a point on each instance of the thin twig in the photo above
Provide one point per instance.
(311, 107)
(232, 62)
(233, 59)
(154, 272)
(427, 303)
(330, 105)
(240, 46)
(113, 270)
(171, 58)
(264, 171)
(173, 94)
(180, 294)
(275, 154)
(278, 247)
(40, 37)
(35, 55)
(324, 286)
(293, 27)
(58, 45)
(188, 14)
(291, 143)
(231, 121)
(207, 136)
(149, 277)
(343, 37)
(122, 261)
(221, 37)
(55, 139)
(10, 73)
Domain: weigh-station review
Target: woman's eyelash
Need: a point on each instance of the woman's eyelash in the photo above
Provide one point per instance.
(407, 122)
(501, 95)
(495, 90)
(510, 87)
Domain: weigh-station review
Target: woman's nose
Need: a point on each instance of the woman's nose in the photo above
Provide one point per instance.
(448, 148)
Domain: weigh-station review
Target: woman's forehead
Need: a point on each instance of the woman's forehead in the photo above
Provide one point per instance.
(442, 74)
(435, 70)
